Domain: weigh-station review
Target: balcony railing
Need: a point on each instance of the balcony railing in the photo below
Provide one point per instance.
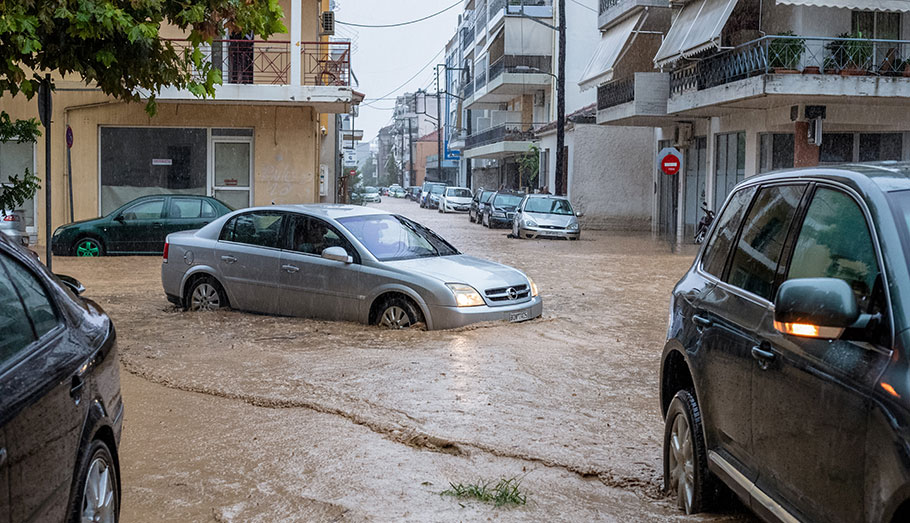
(520, 64)
(468, 89)
(616, 93)
(607, 4)
(480, 79)
(538, 8)
(269, 62)
(811, 55)
(467, 37)
(480, 21)
(508, 132)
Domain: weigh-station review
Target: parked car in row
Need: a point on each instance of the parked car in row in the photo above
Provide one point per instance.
(480, 199)
(785, 373)
(340, 262)
(61, 411)
(397, 192)
(137, 227)
(429, 197)
(413, 193)
(455, 199)
(499, 211)
(545, 216)
(12, 224)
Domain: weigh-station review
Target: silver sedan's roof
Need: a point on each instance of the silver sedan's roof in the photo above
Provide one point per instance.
(333, 211)
(550, 196)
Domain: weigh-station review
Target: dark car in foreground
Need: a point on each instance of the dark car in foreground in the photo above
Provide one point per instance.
(61, 412)
(137, 227)
(786, 372)
(500, 209)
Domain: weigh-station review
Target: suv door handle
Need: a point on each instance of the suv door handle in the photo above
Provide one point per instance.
(763, 356)
(701, 321)
(78, 383)
(290, 268)
(228, 259)
(2, 457)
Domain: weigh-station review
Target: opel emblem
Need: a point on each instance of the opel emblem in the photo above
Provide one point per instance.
(513, 294)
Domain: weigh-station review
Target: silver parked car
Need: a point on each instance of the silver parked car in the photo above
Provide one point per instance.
(12, 224)
(341, 263)
(455, 199)
(543, 215)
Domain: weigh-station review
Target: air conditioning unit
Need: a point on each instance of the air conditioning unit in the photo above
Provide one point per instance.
(683, 137)
(540, 98)
(327, 23)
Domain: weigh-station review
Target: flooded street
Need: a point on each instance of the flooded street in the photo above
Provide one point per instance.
(240, 417)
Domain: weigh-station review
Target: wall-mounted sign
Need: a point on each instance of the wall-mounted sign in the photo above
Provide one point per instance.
(162, 162)
(350, 158)
(230, 182)
(670, 161)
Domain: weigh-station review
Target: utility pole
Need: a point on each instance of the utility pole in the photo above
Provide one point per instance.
(561, 103)
(411, 150)
(439, 126)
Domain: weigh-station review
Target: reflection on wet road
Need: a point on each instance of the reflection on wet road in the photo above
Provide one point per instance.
(241, 417)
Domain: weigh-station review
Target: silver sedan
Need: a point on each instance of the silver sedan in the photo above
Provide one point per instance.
(340, 262)
(545, 216)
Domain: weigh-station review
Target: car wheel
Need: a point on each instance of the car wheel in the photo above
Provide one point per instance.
(205, 294)
(88, 248)
(96, 496)
(470, 217)
(685, 456)
(397, 313)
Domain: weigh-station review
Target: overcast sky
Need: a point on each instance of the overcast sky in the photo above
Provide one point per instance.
(386, 57)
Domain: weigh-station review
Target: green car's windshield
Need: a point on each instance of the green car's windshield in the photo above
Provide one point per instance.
(549, 206)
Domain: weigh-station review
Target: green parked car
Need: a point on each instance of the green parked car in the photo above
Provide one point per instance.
(138, 227)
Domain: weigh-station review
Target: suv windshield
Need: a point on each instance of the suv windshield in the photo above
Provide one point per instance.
(548, 206)
(458, 193)
(390, 237)
(506, 200)
(437, 189)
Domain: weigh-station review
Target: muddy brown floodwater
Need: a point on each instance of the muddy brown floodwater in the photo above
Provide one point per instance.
(240, 417)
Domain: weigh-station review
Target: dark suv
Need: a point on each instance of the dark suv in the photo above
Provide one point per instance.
(500, 209)
(786, 373)
(61, 411)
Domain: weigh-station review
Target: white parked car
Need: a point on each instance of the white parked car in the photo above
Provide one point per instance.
(455, 199)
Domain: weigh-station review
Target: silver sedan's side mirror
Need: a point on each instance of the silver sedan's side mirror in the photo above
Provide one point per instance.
(579, 214)
(337, 254)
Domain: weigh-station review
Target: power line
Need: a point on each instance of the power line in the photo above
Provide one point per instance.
(422, 69)
(459, 2)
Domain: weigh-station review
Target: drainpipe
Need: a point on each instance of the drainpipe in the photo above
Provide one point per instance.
(66, 124)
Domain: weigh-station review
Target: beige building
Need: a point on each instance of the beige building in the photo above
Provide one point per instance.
(257, 142)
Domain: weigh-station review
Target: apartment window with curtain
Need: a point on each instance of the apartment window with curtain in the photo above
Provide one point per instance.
(729, 164)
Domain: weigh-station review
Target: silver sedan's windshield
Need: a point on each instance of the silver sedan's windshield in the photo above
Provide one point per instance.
(548, 206)
(390, 237)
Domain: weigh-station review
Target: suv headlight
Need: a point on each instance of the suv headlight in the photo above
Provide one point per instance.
(499, 214)
(533, 287)
(465, 295)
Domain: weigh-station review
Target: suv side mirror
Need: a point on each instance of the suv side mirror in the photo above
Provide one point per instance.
(72, 283)
(815, 308)
(337, 254)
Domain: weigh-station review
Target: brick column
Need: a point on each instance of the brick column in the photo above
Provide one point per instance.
(804, 155)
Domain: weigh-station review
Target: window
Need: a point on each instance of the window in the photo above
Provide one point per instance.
(310, 235)
(765, 230)
(718, 248)
(776, 152)
(255, 228)
(878, 147)
(15, 158)
(390, 237)
(208, 210)
(834, 242)
(836, 148)
(147, 210)
(729, 165)
(14, 324)
(185, 208)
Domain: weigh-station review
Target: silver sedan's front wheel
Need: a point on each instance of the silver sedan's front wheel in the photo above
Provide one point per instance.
(205, 295)
(397, 313)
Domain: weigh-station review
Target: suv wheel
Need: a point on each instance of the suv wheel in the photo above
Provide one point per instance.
(96, 495)
(685, 456)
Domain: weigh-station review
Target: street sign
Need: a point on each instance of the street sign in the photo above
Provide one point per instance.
(69, 137)
(670, 161)
(350, 158)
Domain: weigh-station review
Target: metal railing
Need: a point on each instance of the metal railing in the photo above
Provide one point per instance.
(515, 6)
(467, 37)
(520, 64)
(784, 54)
(616, 93)
(607, 4)
(468, 89)
(495, 6)
(480, 20)
(507, 132)
(269, 62)
(480, 78)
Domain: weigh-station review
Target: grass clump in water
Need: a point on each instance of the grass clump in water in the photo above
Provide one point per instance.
(502, 493)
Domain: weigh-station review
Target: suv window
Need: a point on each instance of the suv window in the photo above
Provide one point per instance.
(718, 248)
(14, 324)
(834, 242)
(255, 228)
(761, 242)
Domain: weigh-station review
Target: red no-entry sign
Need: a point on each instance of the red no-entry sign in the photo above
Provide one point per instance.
(670, 164)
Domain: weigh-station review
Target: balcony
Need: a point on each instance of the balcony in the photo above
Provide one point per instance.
(612, 11)
(771, 66)
(639, 100)
(260, 71)
(500, 141)
(510, 76)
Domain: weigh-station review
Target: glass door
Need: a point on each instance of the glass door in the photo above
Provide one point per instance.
(232, 162)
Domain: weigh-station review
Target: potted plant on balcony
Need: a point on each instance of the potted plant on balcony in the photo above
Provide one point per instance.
(849, 54)
(785, 53)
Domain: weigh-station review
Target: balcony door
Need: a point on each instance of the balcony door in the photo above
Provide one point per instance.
(232, 166)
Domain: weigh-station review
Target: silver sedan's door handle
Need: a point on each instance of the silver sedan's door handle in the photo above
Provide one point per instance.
(290, 268)
(228, 259)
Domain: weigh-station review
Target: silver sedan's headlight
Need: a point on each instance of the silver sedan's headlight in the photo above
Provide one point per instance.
(465, 295)
(572, 227)
(533, 287)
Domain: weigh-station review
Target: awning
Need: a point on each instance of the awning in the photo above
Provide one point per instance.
(865, 5)
(696, 28)
(612, 42)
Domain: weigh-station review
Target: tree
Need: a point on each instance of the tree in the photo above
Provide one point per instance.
(529, 166)
(392, 172)
(115, 46)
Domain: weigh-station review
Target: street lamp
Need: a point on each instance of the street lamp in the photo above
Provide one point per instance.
(529, 69)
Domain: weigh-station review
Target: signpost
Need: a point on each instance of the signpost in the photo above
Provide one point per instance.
(670, 161)
(69, 168)
(45, 110)
(350, 157)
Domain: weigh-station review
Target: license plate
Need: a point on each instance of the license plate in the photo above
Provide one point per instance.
(519, 316)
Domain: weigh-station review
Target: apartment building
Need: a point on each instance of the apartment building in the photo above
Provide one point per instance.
(414, 116)
(742, 87)
(257, 142)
